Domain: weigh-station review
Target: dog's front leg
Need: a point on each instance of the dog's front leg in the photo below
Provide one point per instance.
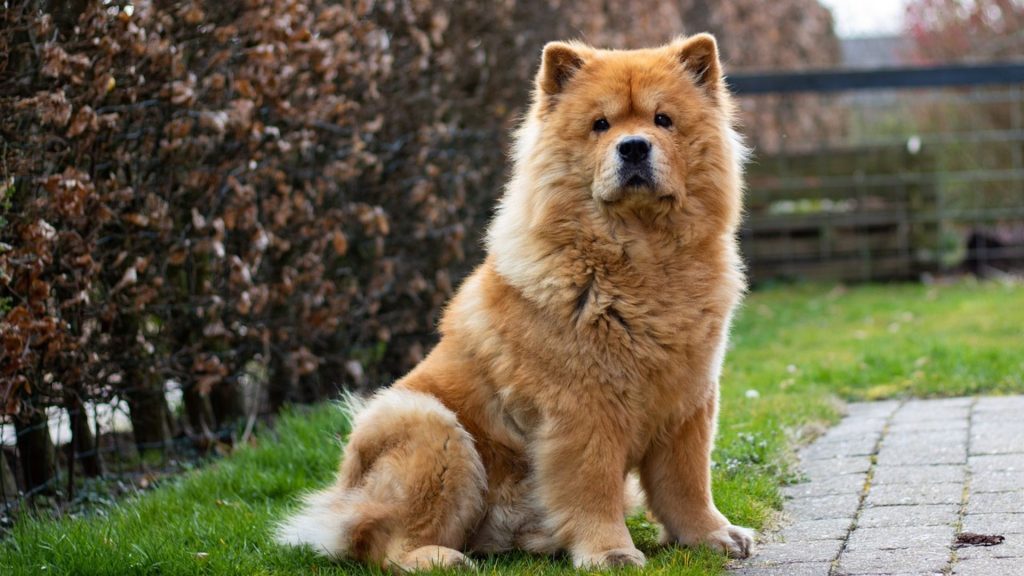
(676, 475)
(580, 477)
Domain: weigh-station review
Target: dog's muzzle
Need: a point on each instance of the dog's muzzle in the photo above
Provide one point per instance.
(635, 163)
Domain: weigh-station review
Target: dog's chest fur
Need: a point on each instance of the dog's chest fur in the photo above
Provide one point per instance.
(639, 303)
(625, 321)
(615, 327)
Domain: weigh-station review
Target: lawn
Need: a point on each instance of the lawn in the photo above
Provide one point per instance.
(796, 352)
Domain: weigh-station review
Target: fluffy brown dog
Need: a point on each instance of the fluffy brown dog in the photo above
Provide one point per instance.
(588, 344)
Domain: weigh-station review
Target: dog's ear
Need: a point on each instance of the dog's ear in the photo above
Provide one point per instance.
(699, 56)
(559, 63)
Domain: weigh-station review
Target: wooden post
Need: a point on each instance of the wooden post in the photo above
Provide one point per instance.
(8, 486)
(922, 212)
(84, 448)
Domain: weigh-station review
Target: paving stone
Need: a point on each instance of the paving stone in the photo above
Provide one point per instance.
(958, 402)
(1012, 547)
(918, 474)
(925, 446)
(997, 438)
(842, 484)
(882, 409)
(822, 469)
(811, 530)
(997, 482)
(1010, 421)
(938, 415)
(927, 426)
(904, 455)
(994, 406)
(988, 567)
(996, 463)
(927, 573)
(994, 523)
(930, 422)
(786, 552)
(920, 412)
(825, 507)
(937, 404)
(849, 434)
(853, 427)
(794, 569)
(910, 494)
(827, 449)
(897, 538)
(996, 502)
(922, 515)
(926, 439)
(927, 450)
(930, 559)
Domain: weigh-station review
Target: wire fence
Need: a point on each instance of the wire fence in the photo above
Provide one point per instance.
(115, 461)
(921, 171)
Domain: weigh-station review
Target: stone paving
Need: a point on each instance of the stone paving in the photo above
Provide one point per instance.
(890, 487)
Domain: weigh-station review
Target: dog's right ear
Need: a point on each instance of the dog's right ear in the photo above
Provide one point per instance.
(560, 62)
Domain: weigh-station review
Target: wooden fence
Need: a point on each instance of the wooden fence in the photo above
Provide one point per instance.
(926, 175)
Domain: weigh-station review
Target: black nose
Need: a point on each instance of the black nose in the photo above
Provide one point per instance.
(634, 149)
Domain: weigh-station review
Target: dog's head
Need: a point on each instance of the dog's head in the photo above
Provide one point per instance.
(637, 131)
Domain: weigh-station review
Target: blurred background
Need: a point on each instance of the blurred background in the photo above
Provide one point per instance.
(209, 210)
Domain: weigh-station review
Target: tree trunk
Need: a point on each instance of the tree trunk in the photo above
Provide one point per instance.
(280, 382)
(85, 450)
(309, 388)
(8, 486)
(149, 412)
(144, 391)
(228, 407)
(35, 449)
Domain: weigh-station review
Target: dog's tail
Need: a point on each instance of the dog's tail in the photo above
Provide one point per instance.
(410, 476)
(338, 521)
(335, 523)
(636, 498)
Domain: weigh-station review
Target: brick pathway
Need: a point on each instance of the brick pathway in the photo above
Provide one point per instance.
(890, 487)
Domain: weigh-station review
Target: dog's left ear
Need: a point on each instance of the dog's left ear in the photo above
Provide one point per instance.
(699, 56)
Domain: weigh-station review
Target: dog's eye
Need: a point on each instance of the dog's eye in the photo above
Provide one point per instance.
(600, 125)
(663, 120)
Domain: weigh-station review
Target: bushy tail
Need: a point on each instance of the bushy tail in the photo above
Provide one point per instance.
(335, 524)
(337, 521)
(410, 477)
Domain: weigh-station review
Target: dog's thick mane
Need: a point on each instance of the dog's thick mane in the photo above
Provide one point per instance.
(535, 235)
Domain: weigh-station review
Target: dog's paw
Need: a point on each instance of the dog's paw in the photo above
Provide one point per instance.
(734, 541)
(431, 557)
(610, 559)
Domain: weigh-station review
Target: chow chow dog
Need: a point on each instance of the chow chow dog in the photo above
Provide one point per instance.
(586, 346)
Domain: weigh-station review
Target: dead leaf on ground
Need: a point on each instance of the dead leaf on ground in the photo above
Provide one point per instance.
(965, 539)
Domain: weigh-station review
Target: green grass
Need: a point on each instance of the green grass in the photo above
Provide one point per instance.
(800, 348)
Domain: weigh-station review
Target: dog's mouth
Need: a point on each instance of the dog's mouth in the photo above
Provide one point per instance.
(636, 179)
